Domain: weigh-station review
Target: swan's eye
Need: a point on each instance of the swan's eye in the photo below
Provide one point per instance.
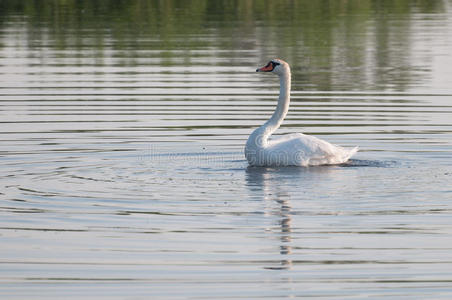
(274, 63)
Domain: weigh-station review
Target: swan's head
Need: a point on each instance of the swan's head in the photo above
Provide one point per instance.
(277, 66)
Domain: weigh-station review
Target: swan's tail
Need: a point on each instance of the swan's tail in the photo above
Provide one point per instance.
(348, 153)
(352, 152)
(340, 156)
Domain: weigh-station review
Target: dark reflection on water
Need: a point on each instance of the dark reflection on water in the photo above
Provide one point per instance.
(331, 45)
(122, 127)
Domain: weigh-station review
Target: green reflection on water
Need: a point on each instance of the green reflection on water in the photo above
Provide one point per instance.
(331, 45)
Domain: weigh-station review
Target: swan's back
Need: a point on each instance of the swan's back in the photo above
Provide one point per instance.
(298, 149)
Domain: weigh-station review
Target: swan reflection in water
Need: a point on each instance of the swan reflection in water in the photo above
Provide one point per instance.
(271, 186)
(268, 182)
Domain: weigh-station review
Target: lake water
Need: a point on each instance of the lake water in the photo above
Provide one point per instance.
(122, 131)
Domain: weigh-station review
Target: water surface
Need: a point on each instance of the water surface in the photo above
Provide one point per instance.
(121, 157)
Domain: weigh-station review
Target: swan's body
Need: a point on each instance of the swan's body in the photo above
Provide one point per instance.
(293, 149)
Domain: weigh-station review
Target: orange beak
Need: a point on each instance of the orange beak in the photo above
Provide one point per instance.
(267, 68)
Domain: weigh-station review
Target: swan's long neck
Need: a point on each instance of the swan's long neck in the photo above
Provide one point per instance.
(282, 108)
(269, 127)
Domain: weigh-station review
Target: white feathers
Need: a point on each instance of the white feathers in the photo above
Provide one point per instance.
(293, 149)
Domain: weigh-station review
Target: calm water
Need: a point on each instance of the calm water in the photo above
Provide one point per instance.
(121, 157)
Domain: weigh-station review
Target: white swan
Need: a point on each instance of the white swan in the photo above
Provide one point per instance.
(293, 149)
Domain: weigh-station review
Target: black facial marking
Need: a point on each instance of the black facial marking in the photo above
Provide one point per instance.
(271, 65)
